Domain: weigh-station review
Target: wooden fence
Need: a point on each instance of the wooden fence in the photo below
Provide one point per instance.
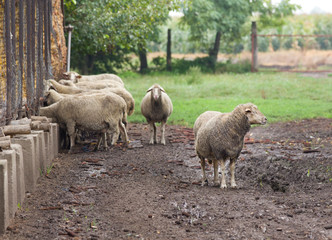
(254, 45)
(25, 56)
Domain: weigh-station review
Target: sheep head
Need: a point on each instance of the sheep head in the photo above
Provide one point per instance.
(156, 92)
(254, 115)
(73, 76)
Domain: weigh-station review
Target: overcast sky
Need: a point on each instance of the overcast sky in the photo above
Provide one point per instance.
(319, 6)
(324, 6)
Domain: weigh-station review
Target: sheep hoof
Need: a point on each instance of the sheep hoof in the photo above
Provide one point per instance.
(223, 186)
(151, 142)
(163, 142)
(234, 186)
(205, 183)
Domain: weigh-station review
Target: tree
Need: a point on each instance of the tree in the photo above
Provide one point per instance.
(226, 18)
(112, 27)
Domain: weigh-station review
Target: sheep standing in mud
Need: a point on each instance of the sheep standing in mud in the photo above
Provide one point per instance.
(219, 136)
(156, 106)
(100, 113)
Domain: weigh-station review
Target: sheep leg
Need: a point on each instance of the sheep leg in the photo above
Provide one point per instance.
(72, 134)
(204, 179)
(216, 172)
(123, 131)
(223, 178)
(116, 134)
(98, 144)
(104, 138)
(101, 139)
(232, 168)
(109, 137)
(153, 131)
(79, 137)
(162, 129)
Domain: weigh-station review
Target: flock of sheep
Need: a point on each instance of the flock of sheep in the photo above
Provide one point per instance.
(101, 103)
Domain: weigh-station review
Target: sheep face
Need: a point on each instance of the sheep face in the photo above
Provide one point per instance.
(254, 115)
(156, 92)
(73, 76)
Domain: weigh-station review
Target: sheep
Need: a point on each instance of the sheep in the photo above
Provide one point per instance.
(65, 89)
(203, 118)
(122, 92)
(100, 113)
(98, 85)
(79, 88)
(67, 82)
(220, 136)
(156, 106)
(53, 96)
(76, 78)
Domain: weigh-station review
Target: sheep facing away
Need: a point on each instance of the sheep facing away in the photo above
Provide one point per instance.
(100, 113)
(222, 136)
(156, 106)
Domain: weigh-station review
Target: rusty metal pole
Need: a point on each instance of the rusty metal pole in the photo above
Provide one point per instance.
(254, 49)
(9, 63)
(169, 51)
(69, 28)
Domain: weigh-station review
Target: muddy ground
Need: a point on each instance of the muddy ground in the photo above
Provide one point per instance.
(284, 176)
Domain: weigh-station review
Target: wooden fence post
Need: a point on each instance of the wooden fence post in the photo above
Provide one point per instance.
(169, 51)
(254, 48)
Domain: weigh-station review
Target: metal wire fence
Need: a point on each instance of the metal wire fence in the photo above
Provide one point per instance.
(25, 56)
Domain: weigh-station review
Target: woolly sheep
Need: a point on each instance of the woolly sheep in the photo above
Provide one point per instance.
(52, 96)
(67, 82)
(156, 106)
(126, 95)
(222, 136)
(203, 118)
(78, 88)
(100, 113)
(65, 89)
(98, 85)
(76, 78)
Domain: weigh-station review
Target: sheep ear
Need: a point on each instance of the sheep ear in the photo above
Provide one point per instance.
(248, 110)
(161, 89)
(66, 73)
(149, 90)
(79, 76)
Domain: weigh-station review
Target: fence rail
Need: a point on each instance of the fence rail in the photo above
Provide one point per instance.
(25, 49)
(293, 35)
(254, 46)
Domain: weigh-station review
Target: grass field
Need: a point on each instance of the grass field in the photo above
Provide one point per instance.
(280, 96)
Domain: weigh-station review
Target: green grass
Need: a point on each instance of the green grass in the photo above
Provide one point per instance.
(279, 96)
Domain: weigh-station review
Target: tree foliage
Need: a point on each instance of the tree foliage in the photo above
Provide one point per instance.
(105, 26)
(228, 16)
